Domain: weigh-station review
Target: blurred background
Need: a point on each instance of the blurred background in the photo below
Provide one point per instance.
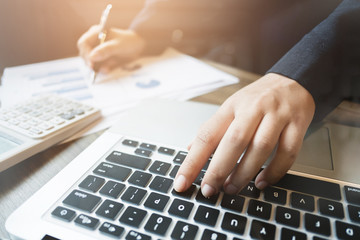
(41, 30)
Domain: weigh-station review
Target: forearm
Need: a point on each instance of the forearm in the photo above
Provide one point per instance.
(327, 59)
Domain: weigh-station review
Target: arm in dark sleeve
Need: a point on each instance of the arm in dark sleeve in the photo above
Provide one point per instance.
(326, 61)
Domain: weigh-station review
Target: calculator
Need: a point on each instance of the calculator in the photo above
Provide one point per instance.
(38, 123)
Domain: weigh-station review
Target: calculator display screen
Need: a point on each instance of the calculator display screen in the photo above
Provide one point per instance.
(7, 144)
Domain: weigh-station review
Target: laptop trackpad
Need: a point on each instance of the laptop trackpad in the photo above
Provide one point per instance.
(316, 151)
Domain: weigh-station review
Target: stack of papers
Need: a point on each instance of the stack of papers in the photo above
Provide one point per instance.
(171, 75)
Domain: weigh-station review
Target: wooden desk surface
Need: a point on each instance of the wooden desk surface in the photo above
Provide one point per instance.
(19, 182)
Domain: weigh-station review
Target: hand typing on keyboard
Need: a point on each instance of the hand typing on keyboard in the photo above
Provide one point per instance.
(272, 113)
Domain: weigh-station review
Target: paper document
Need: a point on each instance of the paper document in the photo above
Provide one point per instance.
(170, 75)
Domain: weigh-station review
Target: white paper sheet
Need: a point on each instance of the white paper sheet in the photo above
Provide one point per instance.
(170, 75)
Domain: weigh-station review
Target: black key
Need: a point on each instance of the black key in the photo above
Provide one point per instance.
(233, 202)
(133, 216)
(167, 151)
(180, 157)
(112, 189)
(109, 209)
(87, 221)
(288, 234)
(318, 238)
(233, 223)
(92, 183)
(275, 195)
(156, 201)
(139, 178)
(354, 213)
(347, 231)
(143, 152)
(250, 191)
(317, 224)
(112, 171)
(159, 167)
(181, 208)
(199, 178)
(302, 201)
(209, 234)
(186, 194)
(262, 230)
(206, 165)
(210, 200)
(111, 229)
(148, 146)
(158, 224)
(206, 215)
(352, 195)
(82, 200)
(130, 143)
(259, 209)
(331, 208)
(129, 160)
(64, 213)
(174, 171)
(134, 195)
(310, 186)
(132, 235)
(161, 184)
(287, 216)
(184, 230)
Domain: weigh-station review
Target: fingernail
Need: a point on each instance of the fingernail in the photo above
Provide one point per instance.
(207, 190)
(231, 189)
(180, 183)
(261, 185)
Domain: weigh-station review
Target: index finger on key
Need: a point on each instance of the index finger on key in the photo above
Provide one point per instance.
(202, 147)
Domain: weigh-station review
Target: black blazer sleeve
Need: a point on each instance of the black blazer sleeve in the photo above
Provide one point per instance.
(326, 61)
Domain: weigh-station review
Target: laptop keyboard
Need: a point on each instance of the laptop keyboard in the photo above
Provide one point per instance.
(128, 195)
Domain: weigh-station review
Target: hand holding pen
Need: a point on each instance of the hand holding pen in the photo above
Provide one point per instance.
(103, 31)
(104, 49)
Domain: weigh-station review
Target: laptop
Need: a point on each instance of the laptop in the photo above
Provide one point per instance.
(120, 187)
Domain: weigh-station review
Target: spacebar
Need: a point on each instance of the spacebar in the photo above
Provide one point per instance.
(310, 186)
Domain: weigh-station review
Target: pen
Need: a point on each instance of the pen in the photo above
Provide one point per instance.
(102, 33)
